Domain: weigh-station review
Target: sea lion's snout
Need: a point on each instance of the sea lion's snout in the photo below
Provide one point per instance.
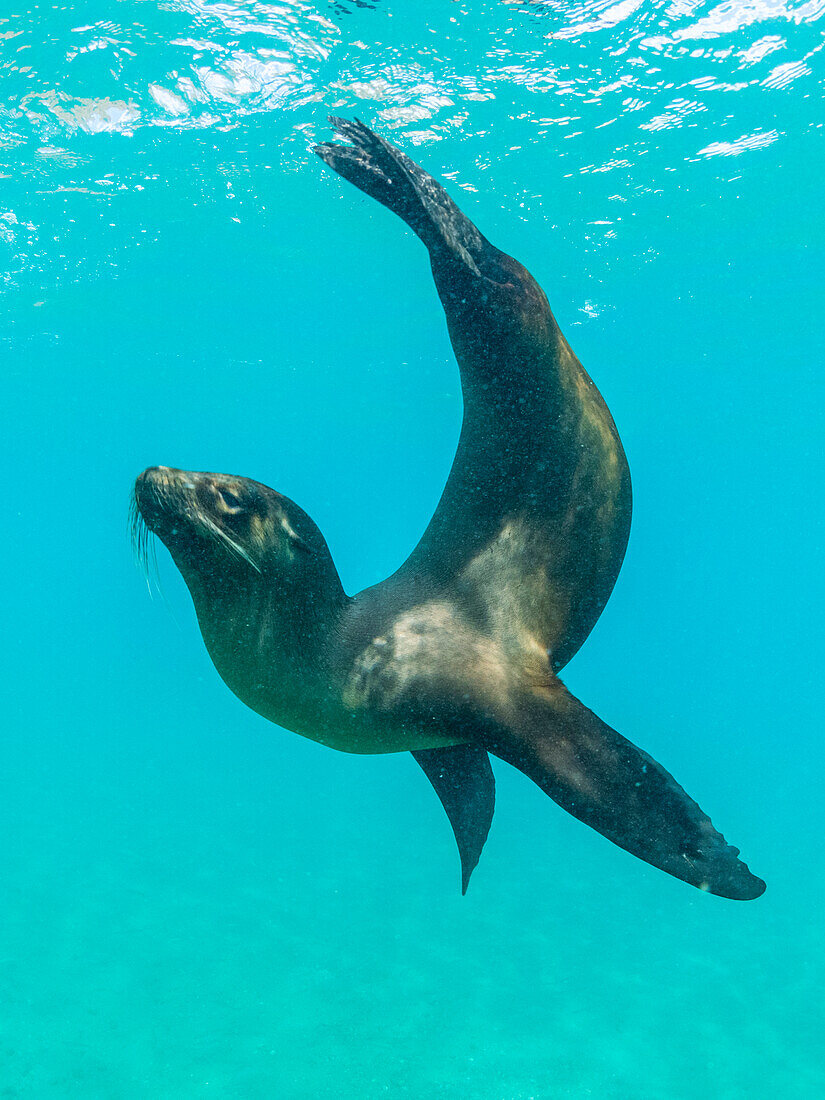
(148, 496)
(159, 493)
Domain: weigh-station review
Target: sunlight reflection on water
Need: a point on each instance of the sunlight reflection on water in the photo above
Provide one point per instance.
(686, 80)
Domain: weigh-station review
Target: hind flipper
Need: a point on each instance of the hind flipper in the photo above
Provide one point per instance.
(463, 779)
(617, 789)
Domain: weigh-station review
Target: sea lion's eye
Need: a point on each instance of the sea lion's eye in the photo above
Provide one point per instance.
(230, 501)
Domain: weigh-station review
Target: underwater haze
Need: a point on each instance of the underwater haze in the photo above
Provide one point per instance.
(197, 903)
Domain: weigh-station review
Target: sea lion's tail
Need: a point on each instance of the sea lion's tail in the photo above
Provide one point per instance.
(384, 172)
(617, 789)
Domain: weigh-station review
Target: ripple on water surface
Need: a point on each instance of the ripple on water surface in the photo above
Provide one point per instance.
(598, 86)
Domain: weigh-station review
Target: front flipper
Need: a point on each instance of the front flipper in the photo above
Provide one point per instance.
(463, 779)
(539, 491)
(388, 175)
(617, 789)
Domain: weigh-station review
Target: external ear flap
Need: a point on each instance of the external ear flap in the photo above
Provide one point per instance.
(300, 544)
(295, 539)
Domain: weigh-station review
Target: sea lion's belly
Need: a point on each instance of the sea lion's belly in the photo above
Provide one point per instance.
(371, 718)
(366, 730)
(370, 737)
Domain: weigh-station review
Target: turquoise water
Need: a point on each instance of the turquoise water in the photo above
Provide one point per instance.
(196, 903)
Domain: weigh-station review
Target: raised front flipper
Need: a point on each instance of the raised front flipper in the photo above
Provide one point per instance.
(389, 176)
(617, 789)
(463, 779)
(537, 504)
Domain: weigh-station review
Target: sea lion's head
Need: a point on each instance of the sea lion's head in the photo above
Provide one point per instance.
(225, 531)
(265, 589)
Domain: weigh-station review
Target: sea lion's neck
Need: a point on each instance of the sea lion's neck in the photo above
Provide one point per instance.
(269, 641)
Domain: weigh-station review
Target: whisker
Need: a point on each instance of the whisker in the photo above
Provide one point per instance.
(222, 537)
(144, 548)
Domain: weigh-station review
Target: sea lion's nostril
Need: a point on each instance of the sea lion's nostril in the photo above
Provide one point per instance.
(156, 474)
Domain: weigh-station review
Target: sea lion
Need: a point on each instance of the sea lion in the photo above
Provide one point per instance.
(455, 655)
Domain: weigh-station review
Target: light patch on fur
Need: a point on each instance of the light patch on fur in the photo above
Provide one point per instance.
(435, 652)
(510, 576)
(430, 653)
(596, 417)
